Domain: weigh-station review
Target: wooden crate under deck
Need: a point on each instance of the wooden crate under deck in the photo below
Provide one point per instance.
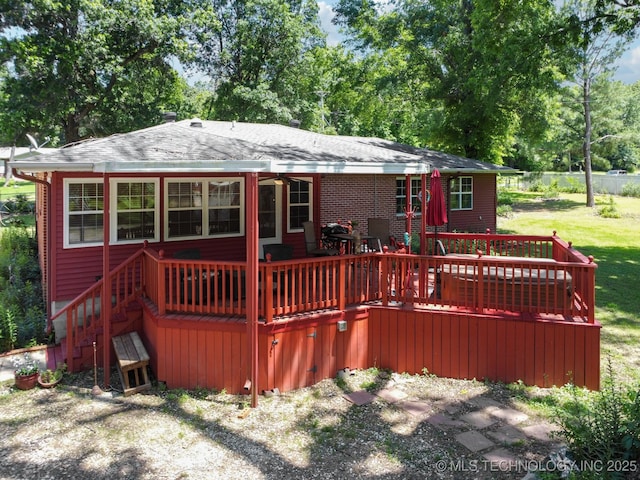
(132, 360)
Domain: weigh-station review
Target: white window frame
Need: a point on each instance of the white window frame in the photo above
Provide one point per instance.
(67, 212)
(113, 217)
(204, 206)
(415, 200)
(309, 181)
(458, 194)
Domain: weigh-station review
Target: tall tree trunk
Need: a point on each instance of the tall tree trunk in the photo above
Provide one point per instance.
(586, 142)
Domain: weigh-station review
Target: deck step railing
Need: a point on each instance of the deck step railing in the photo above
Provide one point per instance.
(81, 319)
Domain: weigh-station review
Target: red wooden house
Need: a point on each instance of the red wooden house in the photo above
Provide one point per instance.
(170, 223)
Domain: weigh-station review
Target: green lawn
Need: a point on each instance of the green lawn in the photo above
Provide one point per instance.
(11, 193)
(615, 245)
(16, 188)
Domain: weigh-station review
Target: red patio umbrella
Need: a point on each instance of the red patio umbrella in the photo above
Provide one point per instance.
(436, 207)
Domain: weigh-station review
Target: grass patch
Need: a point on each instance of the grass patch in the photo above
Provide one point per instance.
(614, 246)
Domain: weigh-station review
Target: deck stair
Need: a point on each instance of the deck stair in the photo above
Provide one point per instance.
(121, 323)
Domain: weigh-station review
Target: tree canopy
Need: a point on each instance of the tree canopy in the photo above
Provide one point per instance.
(480, 78)
(72, 65)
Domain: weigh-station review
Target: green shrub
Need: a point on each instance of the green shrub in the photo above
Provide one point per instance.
(609, 209)
(504, 210)
(631, 190)
(537, 186)
(574, 186)
(504, 198)
(602, 426)
(22, 310)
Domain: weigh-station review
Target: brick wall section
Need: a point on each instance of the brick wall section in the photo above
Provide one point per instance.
(483, 215)
(360, 197)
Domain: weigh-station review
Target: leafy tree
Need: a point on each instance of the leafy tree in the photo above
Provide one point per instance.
(621, 16)
(72, 65)
(595, 51)
(257, 51)
(482, 68)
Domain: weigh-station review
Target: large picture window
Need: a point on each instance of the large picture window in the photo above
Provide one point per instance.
(461, 193)
(84, 212)
(300, 203)
(401, 195)
(197, 208)
(135, 206)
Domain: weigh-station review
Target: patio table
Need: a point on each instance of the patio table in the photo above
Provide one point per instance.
(349, 240)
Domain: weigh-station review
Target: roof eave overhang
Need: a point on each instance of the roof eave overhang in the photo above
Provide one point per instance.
(469, 171)
(232, 166)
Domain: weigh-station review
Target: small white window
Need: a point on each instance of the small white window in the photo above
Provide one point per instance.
(83, 212)
(300, 203)
(135, 206)
(401, 195)
(461, 193)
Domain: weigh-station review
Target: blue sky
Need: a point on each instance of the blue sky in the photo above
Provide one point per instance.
(628, 66)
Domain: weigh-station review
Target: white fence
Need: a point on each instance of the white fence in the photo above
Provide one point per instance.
(612, 184)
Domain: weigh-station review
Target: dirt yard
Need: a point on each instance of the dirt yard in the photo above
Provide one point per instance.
(407, 427)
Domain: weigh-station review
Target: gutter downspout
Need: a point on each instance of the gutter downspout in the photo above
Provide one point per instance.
(31, 178)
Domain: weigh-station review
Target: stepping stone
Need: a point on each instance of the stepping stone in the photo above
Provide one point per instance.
(361, 397)
(507, 435)
(541, 432)
(444, 421)
(392, 395)
(478, 419)
(450, 406)
(509, 415)
(482, 402)
(474, 440)
(417, 409)
(501, 460)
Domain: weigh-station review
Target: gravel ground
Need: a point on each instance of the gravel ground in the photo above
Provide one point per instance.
(312, 433)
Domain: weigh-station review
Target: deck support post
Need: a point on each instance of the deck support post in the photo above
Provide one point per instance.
(423, 216)
(105, 300)
(252, 244)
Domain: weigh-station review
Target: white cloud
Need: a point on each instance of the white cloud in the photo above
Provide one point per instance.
(326, 14)
(629, 65)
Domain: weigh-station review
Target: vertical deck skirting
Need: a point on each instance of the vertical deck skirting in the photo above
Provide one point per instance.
(538, 352)
(191, 352)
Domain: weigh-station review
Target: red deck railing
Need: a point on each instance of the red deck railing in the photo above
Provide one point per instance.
(478, 274)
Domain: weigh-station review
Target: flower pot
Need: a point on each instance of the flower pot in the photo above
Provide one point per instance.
(26, 382)
(49, 384)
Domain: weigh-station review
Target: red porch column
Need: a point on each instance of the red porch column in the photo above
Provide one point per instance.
(252, 244)
(105, 308)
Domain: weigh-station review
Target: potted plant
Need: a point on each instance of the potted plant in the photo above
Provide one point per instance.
(50, 378)
(25, 372)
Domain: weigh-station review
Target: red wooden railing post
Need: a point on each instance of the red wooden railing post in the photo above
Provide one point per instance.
(342, 284)
(161, 294)
(267, 292)
(481, 283)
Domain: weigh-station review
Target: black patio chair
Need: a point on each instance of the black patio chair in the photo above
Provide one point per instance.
(312, 243)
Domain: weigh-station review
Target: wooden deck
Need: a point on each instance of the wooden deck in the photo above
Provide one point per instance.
(503, 308)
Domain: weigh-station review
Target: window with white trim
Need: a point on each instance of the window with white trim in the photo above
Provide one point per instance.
(135, 207)
(209, 208)
(300, 203)
(401, 195)
(461, 193)
(83, 212)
